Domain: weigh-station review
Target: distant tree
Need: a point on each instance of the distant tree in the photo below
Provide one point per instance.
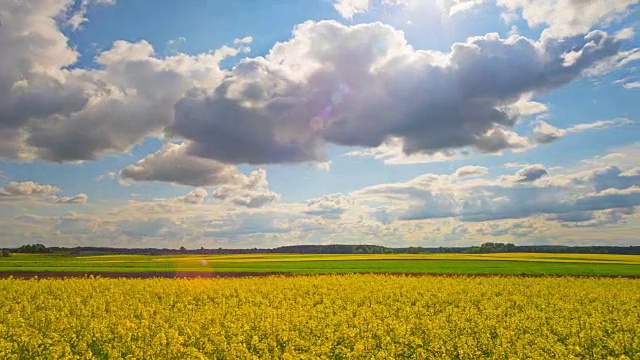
(5, 253)
(183, 249)
(33, 249)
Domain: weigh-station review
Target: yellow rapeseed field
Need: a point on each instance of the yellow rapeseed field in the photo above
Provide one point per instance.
(321, 317)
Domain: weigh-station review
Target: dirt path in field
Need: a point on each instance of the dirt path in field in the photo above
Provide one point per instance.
(181, 275)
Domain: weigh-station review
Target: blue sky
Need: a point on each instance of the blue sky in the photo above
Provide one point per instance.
(394, 122)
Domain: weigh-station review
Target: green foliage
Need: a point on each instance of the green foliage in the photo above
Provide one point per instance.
(5, 253)
(33, 249)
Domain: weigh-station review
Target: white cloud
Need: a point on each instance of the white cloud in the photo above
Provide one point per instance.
(25, 191)
(27, 188)
(632, 85)
(457, 6)
(243, 41)
(75, 19)
(545, 133)
(250, 191)
(469, 170)
(566, 18)
(329, 205)
(76, 199)
(195, 196)
(526, 194)
(348, 8)
(579, 205)
(355, 85)
(52, 112)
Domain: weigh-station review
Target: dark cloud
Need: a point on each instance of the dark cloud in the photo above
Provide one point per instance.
(172, 164)
(531, 173)
(612, 177)
(359, 85)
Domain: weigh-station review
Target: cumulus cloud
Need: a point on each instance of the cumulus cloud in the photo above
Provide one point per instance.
(244, 41)
(250, 191)
(329, 83)
(30, 190)
(470, 170)
(348, 8)
(53, 112)
(572, 193)
(544, 133)
(362, 85)
(76, 199)
(329, 205)
(27, 188)
(456, 6)
(390, 152)
(76, 18)
(172, 164)
(567, 17)
(578, 219)
(432, 209)
(196, 196)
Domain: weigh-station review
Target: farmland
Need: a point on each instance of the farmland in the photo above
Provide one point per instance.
(330, 317)
(501, 264)
(332, 313)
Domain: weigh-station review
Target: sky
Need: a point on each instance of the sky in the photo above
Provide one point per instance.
(237, 124)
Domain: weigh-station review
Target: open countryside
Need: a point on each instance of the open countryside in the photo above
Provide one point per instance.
(201, 265)
(319, 179)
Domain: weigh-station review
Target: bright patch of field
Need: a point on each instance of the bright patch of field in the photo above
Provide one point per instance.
(507, 264)
(327, 317)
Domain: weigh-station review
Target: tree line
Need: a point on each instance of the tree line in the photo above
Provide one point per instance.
(485, 248)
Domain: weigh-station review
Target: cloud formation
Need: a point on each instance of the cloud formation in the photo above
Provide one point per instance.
(51, 111)
(348, 8)
(531, 173)
(566, 18)
(329, 205)
(569, 196)
(17, 191)
(360, 85)
(27, 188)
(250, 191)
(172, 164)
(544, 133)
(470, 170)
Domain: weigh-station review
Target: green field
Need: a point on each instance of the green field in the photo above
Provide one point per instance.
(507, 264)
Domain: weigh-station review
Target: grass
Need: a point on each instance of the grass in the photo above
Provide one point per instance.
(507, 264)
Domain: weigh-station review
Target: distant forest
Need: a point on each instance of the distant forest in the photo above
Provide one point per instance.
(485, 248)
